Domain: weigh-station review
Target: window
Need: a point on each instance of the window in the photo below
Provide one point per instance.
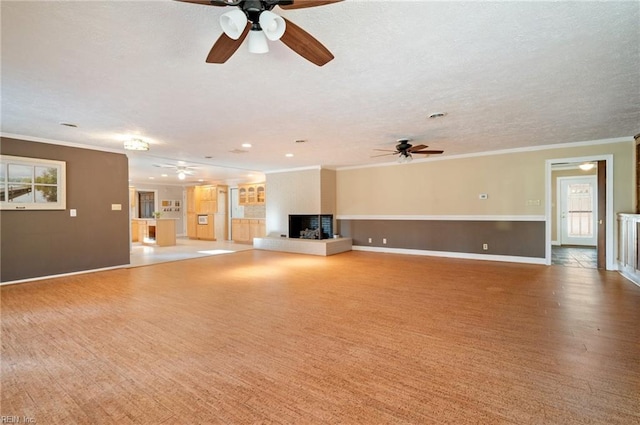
(32, 184)
(146, 204)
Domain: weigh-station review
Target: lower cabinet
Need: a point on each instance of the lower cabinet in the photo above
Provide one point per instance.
(192, 225)
(243, 230)
(157, 232)
(201, 226)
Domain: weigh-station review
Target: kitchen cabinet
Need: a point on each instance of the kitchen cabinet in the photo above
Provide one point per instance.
(243, 230)
(202, 205)
(135, 237)
(206, 199)
(252, 194)
(160, 232)
(205, 227)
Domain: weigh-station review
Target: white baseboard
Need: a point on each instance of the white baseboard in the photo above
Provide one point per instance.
(54, 276)
(463, 255)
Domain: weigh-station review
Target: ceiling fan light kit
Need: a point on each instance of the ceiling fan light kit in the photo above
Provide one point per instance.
(233, 23)
(253, 18)
(405, 157)
(272, 25)
(258, 42)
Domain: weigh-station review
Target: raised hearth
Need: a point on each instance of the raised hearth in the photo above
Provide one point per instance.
(323, 247)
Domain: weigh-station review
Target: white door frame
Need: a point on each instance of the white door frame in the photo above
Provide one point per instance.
(593, 180)
(609, 224)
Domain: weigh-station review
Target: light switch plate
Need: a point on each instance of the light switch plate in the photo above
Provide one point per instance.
(116, 207)
(73, 212)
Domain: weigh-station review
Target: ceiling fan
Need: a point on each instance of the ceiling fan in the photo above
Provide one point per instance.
(255, 19)
(405, 150)
(182, 170)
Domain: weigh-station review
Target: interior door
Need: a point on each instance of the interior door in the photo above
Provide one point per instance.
(578, 211)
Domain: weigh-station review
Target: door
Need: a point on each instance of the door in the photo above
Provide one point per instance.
(578, 211)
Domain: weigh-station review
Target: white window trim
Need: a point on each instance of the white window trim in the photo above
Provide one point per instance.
(61, 166)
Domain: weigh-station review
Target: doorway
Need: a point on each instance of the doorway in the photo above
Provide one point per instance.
(602, 212)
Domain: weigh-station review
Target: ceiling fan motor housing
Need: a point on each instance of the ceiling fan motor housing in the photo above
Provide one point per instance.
(403, 145)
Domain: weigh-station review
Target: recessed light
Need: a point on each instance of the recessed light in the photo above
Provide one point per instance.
(301, 141)
(437, 115)
(246, 145)
(164, 175)
(152, 178)
(289, 155)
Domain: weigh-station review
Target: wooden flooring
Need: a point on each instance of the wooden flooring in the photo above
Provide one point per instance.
(260, 337)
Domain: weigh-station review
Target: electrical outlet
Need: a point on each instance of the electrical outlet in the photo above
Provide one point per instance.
(384, 241)
(485, 246)
(369, 240)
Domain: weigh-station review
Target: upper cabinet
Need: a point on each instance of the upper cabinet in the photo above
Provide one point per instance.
(202, 199)
(206, 199)
(252, 194)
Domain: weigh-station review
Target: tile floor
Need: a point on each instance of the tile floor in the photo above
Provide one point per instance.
(144, 255)
(575, 256)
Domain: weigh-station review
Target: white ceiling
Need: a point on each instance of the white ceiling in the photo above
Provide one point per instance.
(508, 75)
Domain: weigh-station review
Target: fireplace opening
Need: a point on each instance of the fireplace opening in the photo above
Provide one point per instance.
(311, 226)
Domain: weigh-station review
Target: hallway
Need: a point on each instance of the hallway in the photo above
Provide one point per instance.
(575, 256)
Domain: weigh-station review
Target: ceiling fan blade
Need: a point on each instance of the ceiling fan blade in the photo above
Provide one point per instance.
(386, 150)
(220, 3)
(300, 4)
(417, 148)
(226, 46)
(384, 154)
(305, 45)
(427, 152)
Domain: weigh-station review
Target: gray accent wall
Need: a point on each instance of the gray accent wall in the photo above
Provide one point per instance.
(510, 238)
(36, 244)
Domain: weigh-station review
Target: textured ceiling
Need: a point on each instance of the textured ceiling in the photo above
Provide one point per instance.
(508, 75)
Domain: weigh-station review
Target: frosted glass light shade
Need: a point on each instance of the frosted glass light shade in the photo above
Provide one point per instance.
(233, 23)
(587, 166)
(136, 145)
(258, 42)
(272, 25)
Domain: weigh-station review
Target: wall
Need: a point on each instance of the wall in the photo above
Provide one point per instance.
(167, 192)
(637, 168)
(43, 243)
(328, 192)
(448, 190)
(308, 191)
